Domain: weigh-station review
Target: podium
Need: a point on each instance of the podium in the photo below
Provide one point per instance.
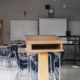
(42, 45)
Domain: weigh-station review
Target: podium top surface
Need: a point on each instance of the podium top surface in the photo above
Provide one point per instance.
(44, 44)
(43, 39)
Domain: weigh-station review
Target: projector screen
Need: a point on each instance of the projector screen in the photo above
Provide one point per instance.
(20, 28)
(53, 26)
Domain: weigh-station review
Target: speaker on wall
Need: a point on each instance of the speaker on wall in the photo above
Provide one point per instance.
(47, 6)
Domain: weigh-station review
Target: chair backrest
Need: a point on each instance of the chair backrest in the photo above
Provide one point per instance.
(14, 50)
(23, 46)
(5, 52)
(22, 63)
(34, 62)
(8, 52)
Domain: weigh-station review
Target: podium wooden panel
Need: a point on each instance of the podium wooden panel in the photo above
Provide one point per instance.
(42, 45)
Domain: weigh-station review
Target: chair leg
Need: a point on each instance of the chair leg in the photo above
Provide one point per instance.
(17, 77)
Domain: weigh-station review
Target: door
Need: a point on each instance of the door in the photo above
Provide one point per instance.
(1, 32)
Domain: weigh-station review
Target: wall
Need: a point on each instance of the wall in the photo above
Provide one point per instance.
(14, 9)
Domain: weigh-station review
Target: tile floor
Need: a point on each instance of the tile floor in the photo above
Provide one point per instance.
(70, 73)
(67, 73)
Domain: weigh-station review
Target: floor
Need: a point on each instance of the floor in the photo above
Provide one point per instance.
(68, 72)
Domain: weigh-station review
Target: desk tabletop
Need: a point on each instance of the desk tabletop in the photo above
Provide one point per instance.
(2, 46)
(21, 50)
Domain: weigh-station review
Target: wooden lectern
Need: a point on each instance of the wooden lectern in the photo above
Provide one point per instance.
(42, 45)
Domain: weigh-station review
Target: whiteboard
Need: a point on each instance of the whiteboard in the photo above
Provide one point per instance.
(74, 27)
(20, 28)
(52, 26)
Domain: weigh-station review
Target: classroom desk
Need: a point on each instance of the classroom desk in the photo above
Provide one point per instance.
(21, 50)
(42, 45)
(1, 47)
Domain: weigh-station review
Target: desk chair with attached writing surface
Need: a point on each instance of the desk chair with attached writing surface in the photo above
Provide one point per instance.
(24, 63)
(55, 65)
(5, 55)
(53, 62)
(21, 63)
